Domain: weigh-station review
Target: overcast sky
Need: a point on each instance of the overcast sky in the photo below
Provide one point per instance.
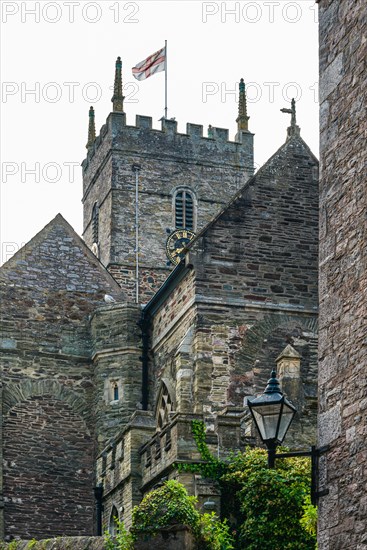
(57, 59)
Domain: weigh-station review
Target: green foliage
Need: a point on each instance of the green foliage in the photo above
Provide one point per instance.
(165, 506)
(212, 468)
(309, 518)
(268, 508)
(215, 534)
(171, 505)
(270, 501)
(123, 540)
(32, 543)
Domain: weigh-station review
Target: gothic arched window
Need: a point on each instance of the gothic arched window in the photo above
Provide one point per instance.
(112, 527)
(95, 223)
(184, 209)
(164, 406)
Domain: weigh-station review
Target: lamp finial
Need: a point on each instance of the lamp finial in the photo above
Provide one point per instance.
(273, 384)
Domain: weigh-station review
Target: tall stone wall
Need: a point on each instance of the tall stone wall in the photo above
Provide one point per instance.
(48, 291)
(343, 274)
(256, 289)
(47, 451)
(170, 324)
(212, 168)
(264, 247)
(235, 359)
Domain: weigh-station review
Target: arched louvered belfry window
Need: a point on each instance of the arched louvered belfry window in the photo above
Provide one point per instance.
(95, 223)
(184, 210)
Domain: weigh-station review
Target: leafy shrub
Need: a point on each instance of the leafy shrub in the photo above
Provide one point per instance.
(168, 505)
(171, 505)
(309, 518)
(214, 534)
(270, 501)
(123, 540)
(268, 509)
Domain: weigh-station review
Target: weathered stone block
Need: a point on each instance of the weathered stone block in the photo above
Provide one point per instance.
(173, 538)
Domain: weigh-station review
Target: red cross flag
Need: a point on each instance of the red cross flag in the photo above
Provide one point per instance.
(151, 65)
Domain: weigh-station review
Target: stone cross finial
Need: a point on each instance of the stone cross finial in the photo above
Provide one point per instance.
(293, 129)
(242, 119)
(118, 98)
(91, 129)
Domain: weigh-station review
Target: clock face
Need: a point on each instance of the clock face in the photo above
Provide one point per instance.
(176, 244)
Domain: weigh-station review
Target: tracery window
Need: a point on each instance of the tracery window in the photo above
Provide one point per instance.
(184, 209)
(165, 406)
(112, 528)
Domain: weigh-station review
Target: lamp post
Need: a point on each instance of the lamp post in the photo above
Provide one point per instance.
(273, 414)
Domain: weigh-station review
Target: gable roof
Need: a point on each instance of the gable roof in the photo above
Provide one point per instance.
(241, 193)
(184, 266)
(58, 258)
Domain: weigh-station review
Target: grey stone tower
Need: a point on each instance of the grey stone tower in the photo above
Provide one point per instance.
(138, 179)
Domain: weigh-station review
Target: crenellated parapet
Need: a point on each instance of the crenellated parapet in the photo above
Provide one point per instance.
(117, 133)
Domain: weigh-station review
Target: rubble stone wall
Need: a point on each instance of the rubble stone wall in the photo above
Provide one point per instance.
(343, 275)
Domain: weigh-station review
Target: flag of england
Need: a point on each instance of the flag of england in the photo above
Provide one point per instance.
(151, 65)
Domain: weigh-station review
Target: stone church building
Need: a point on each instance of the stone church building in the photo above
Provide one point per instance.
(193, 279)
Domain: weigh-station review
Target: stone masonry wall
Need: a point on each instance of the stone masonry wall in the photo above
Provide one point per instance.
(169, 326)
(343, 275)
(211, 168)
(49, 290)
(264, 247)
(218, 354)
(118, 468)
(256, 288)
(234, 359)
(116, 337)
(177, 537)
(251, 291)
(59, 543)
(47, 452)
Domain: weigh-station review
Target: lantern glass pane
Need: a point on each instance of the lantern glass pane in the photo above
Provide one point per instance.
(285, 422)
(266, 417)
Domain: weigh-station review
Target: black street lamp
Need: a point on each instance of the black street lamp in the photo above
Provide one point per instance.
(273, 414)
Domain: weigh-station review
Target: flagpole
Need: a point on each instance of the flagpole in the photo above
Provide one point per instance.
(165, 82)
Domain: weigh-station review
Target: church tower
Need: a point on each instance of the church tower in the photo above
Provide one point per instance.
(140, 184)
